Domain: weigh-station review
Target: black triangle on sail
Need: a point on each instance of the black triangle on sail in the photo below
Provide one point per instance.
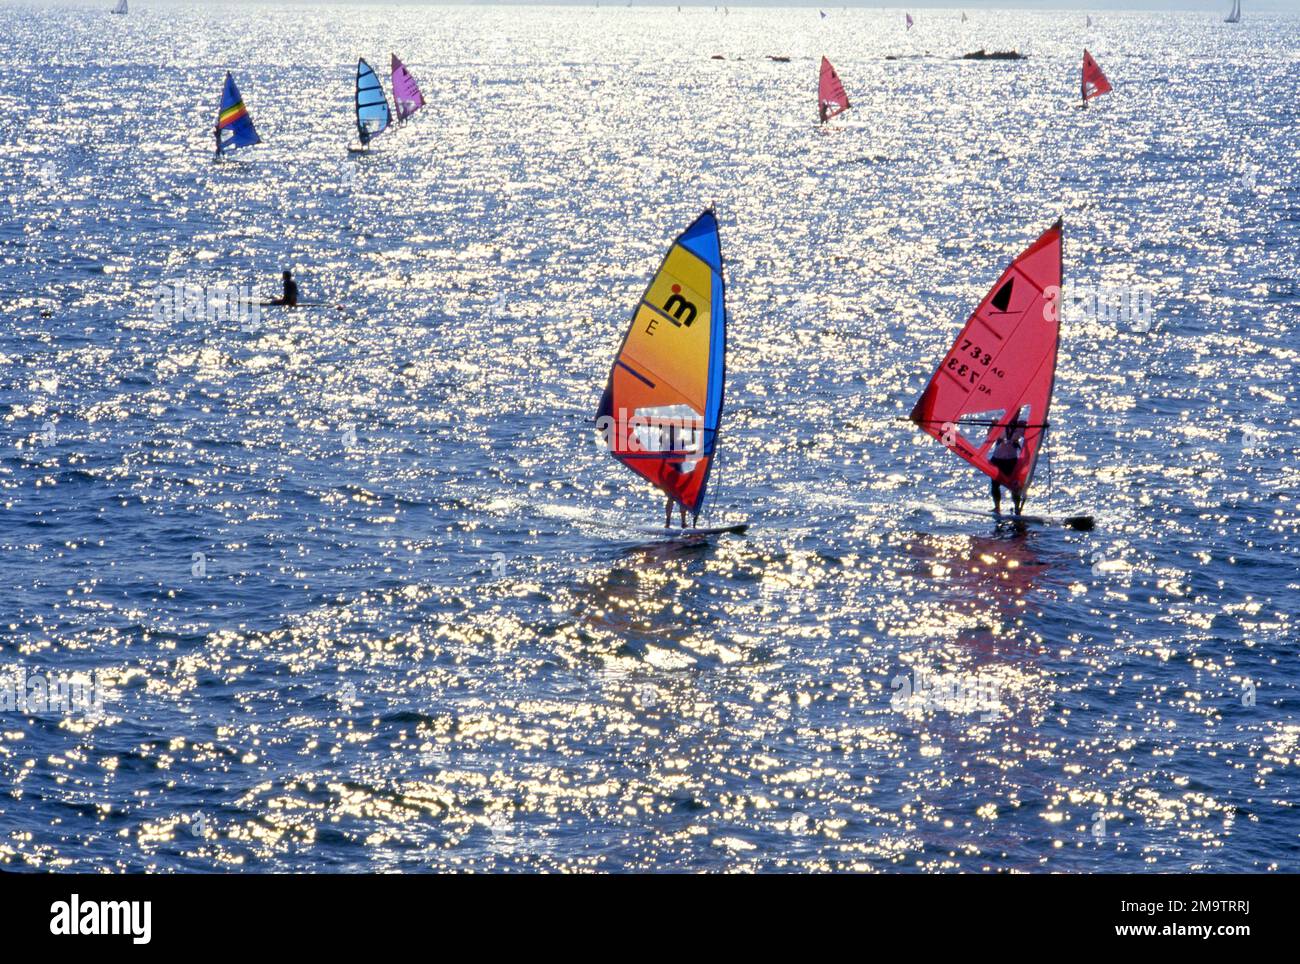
(1003, 298)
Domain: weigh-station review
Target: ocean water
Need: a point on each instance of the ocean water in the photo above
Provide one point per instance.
(335, 577)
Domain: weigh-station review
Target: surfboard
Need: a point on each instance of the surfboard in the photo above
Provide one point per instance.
(301, 304)
(1080, 522)
(690, 532)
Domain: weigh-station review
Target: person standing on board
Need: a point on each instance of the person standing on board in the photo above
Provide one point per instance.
(290, 297)
(1005, 457)
(668, 516)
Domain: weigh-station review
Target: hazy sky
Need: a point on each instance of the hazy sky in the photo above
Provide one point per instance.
(1197, 5)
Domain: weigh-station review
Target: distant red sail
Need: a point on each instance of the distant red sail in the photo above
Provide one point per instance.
(831, 98)
(1094, 81)
(1001, 367)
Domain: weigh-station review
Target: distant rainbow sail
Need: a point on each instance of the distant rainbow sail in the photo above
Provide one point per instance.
(406, 92)
(909, 20)
(662, 405)
(233, 120)
(1094, 82)
(1002, 367)
(373, 115)
(831, 98)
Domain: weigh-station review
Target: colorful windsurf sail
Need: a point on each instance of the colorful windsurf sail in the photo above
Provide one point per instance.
(1001, 367)
(1094, 82)
(373, 116)
(661, 408)
(909, 20)
(234, 126)
(406, 93)
(831, 98)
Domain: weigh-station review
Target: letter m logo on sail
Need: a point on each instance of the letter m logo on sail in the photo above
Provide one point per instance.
(681, 310)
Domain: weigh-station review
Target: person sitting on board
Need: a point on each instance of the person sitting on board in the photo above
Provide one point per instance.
(668, 517)
(290, 296)
(1005, 457)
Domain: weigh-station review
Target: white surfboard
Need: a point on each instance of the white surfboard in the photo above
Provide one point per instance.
(1080, 522)
(672, 532)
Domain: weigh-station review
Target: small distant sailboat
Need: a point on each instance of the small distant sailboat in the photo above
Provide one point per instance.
(909, 21)
(406, 92)
(373, 115)
(661, 408)
(831, 96)
(999, 373)
(963, 16)
(1094, 82)
(1233, 17)
(1087, 20)
(233, 119)
(120, 8)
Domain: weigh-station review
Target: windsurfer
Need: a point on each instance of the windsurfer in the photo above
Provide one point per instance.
(216, 133)
(668, 515)
(1005, 457)
(290, 296)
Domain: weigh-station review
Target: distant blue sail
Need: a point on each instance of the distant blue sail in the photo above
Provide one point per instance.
(232, 117)
(373, 116)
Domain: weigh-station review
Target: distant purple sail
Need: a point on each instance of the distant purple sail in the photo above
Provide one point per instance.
(406, 94)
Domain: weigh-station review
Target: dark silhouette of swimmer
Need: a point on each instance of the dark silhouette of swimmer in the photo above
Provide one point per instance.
(290, 296)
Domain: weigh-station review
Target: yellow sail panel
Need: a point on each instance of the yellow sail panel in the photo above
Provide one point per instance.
(669, 338)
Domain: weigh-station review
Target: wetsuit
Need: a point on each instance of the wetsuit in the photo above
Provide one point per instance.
(1005, 457)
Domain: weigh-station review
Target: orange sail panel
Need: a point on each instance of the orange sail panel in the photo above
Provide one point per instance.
(660, 411)
(831, 98)
(1001, 367)
(1094, 81)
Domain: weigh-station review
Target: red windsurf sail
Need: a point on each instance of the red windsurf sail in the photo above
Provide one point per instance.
(831, 98)
(1094, 81)
(1001, 367)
